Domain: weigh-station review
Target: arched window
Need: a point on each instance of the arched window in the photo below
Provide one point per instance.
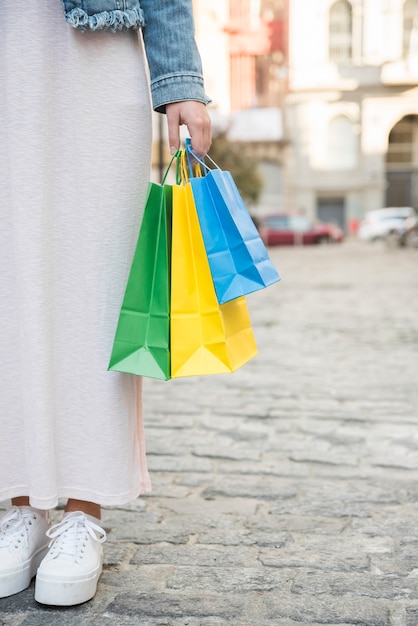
(340, 31)
(403, 142)
(341, 144)
(402, 163)
(410, 28)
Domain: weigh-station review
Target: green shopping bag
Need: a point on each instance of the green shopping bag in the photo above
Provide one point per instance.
(141, 344)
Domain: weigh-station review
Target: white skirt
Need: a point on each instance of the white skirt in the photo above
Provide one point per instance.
(75, 144)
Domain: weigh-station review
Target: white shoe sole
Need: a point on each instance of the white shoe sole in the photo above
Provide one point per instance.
(60, 591)
(19, 579)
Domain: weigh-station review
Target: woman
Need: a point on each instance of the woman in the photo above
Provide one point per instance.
(75, 149)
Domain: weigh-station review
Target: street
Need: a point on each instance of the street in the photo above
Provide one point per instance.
(285, 493)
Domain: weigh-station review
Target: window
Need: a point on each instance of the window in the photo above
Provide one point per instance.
(340, 32)
(279, 222)
(299, 223)
(341, 144)
(410, 28)
(403, 142)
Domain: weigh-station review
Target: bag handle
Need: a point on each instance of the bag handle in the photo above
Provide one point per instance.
(189, 151)
(176, 156)
(185, 169)
(182, 174)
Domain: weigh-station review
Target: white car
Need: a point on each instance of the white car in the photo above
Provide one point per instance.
(377, 224)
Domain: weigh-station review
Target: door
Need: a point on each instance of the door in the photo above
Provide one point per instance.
(402, 163)
(331, 210)
(402, 188)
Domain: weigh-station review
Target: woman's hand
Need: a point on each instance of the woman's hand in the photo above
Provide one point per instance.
(195, 116)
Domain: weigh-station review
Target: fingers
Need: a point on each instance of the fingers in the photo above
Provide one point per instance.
(198, 124)
(195, 116)
(173, 124)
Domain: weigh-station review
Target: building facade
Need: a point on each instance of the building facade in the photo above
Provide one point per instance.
(351, 114)
(243, 46)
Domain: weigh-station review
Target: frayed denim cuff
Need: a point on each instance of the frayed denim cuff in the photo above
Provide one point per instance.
(106, 20)
(176, 88)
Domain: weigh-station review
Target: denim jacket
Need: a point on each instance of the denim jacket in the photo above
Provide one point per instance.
(168, 33)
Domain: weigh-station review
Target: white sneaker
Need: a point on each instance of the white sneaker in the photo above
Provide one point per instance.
(70, 571)
(23, 544)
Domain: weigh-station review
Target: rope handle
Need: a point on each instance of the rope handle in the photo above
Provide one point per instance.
(190, 153)
(176, 155)
(182, 171)
(186, 169)
(188, 165)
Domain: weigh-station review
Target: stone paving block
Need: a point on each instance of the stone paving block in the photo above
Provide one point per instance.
(110, 620)
(194, 480)
(407, 461)
(225, 580)
(325, 609)
(137, 505)
(392, 564)
(147, 528)
(333, 509)
(197, 507)
(271, 464)
(147, 579)
(411, 616)
(296, 524)
(378, 492)
(226, 537)
(365, 584)
(15, 619)
(117, 553)
(338, 543)
(389, 522)
(201, 555)
(264, 488)
(18, 603)
(160, 463)
(329, 458)
(23, 609)
(173, 605)
(237, 428)
(164, 489)
(239, 453)
(324, 560)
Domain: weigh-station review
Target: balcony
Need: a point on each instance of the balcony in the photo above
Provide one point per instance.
(255, 39)
(404, 72)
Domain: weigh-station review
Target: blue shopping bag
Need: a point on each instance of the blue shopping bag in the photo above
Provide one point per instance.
(238, 259)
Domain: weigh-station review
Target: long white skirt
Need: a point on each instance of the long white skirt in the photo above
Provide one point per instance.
(75, 139)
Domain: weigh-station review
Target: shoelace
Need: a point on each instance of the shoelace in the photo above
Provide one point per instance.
(14, 527)
(69, 536)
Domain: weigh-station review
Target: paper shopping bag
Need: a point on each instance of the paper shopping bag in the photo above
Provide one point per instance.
(238, 258)
(141, 344)
(206, 337)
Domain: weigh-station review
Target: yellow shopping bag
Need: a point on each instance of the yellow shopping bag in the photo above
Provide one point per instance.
(206, 337)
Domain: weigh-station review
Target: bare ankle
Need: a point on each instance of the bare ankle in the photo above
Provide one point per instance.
(21, 501)
(89, 508)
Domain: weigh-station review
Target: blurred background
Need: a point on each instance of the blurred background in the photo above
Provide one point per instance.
(314, 105)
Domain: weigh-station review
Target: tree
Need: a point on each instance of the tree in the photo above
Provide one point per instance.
(237, 159)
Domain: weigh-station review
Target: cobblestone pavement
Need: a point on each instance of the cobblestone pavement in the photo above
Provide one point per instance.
(286, 493)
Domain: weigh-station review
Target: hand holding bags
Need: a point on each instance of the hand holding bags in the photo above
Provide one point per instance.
(187, 333)
(238, 258)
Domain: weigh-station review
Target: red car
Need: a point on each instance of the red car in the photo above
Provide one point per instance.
(292, 229)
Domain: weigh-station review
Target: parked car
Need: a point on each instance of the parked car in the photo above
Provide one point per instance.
(290, 229)
(405, 234)
(378, 223)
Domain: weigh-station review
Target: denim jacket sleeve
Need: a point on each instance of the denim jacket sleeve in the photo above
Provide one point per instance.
(168, 33)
